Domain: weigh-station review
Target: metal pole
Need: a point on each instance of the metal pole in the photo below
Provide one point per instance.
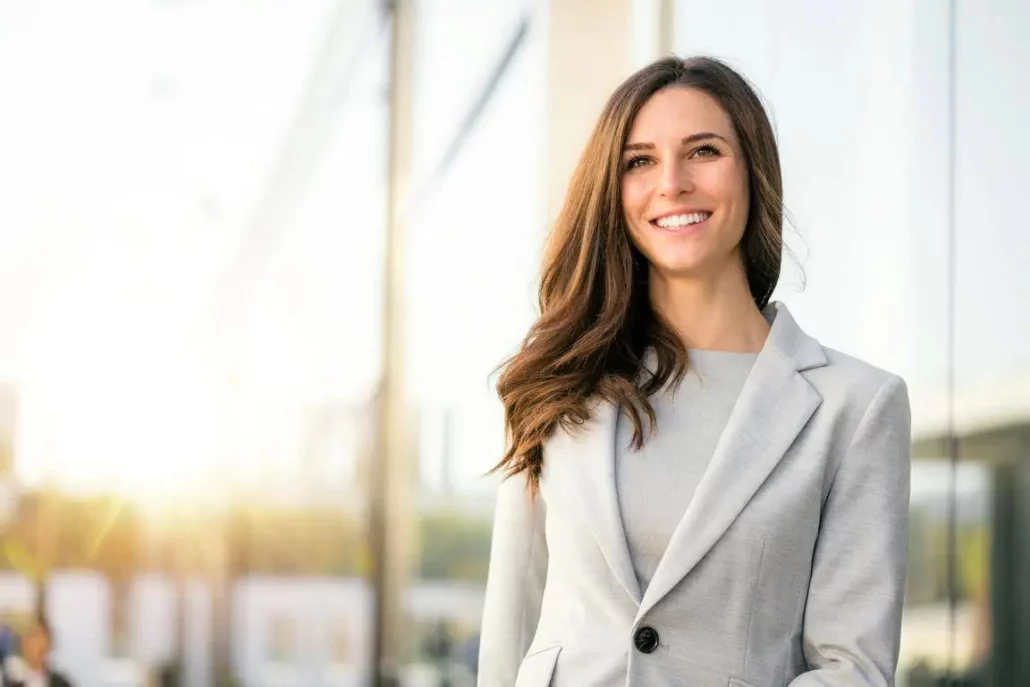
(392, 515)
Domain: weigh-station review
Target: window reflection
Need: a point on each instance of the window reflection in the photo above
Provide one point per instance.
(992, 345)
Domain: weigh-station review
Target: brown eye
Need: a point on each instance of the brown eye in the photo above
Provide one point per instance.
(707, 150)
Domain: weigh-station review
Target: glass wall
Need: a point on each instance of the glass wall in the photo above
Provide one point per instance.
(992, 343)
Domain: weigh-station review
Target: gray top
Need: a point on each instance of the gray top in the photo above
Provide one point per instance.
(662, 476)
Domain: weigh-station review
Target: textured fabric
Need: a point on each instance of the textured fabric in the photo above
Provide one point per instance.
(661, 477)
(786, 568)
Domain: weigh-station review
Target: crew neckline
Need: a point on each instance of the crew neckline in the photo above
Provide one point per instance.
(712, 352)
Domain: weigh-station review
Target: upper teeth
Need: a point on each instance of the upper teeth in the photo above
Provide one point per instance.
(683, 220)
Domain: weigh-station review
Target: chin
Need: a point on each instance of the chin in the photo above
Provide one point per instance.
(683, 265)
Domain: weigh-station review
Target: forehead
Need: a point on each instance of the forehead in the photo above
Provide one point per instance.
(677, 112)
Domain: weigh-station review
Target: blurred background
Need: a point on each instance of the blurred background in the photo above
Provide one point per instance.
(259, 259)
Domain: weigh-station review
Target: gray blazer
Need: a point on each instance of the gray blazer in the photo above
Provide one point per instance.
(787, 568)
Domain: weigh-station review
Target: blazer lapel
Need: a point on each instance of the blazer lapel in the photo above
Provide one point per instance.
(592, 451)
(774, 406)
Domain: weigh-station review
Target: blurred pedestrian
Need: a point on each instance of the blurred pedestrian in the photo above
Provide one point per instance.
(32, 668)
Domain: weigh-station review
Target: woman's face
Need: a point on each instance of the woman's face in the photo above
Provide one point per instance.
(685, 184)
(35, 646)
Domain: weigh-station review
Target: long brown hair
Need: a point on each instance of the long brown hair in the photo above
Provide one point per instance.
(596, 319)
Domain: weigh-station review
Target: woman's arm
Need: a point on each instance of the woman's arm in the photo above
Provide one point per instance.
(852, 622)
(515, 583)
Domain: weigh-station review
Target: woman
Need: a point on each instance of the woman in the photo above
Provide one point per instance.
(698, 493)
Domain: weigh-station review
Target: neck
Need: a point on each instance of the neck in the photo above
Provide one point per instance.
(715, 312)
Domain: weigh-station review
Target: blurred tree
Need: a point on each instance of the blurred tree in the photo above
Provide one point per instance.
(300, 541)
(107, 534)
(454, 546)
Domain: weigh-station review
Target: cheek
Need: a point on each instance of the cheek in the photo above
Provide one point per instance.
(634, 199)
(634, 204)
(730, 189)
(742, 202)
(743, 191)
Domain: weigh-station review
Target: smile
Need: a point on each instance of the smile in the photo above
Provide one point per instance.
(681, 221)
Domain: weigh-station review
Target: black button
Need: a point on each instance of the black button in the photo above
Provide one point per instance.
(646, 639)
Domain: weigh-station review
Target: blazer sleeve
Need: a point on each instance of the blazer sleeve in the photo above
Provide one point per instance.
(515, 582)
(852, 618)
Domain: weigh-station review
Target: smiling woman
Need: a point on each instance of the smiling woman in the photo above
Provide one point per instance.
(698, 491)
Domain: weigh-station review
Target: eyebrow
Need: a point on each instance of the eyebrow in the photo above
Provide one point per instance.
(693, 138)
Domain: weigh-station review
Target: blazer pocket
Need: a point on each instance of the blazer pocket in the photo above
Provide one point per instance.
(538, 668)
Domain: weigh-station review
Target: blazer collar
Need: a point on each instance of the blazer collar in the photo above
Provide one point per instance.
(773, 407)
(787, 338)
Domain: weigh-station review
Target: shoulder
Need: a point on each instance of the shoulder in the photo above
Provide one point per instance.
(854, 385)
(843, 381)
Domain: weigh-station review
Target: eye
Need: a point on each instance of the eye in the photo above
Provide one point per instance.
(637, 161)
(707, 150)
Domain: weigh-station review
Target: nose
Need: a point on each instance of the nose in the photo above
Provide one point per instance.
(675, 178)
